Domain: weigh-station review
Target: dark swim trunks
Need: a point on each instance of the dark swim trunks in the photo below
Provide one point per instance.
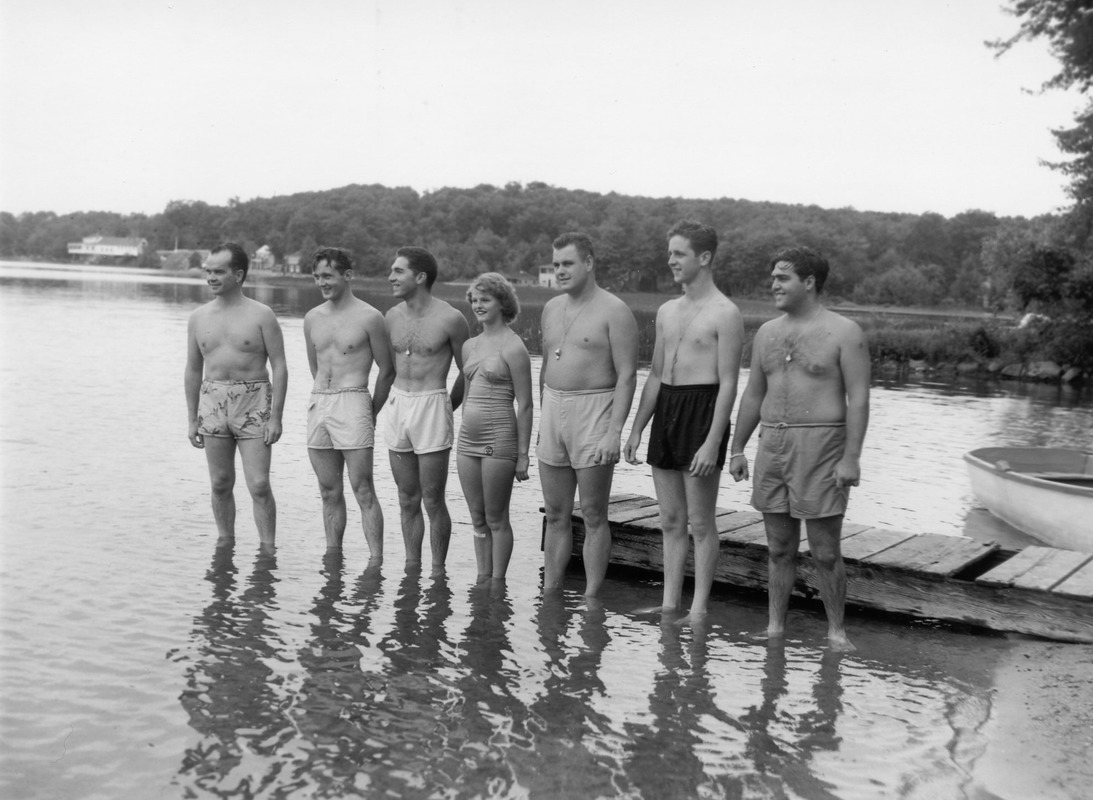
(681, 423)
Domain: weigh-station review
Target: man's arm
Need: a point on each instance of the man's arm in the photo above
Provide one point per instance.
(458, 331)
(312, 356)
(854, 363)
(519, 363)
(747, 418)
(649, 393)
(278, 367)
(385, 380)
(384, 359)
(191, 380)
(622, 334)
(730, 344)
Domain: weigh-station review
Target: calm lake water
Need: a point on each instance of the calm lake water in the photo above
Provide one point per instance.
(139, 661)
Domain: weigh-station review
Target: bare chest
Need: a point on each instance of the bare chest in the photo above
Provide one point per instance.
(342, 336)
(424, 337)
(219, 333)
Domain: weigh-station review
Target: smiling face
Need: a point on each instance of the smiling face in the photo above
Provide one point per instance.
(683, 261)
(486, 307)
(332, 283)
(219, 274)
(789, 290)
(404, 281)
(570, 270)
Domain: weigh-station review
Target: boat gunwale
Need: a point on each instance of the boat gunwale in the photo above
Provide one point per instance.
(990, 468)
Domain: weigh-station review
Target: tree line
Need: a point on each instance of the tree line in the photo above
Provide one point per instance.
(877, 257)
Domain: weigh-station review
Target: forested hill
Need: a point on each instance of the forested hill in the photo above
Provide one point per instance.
(876, 257)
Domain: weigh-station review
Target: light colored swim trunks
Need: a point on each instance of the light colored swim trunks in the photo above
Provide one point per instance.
(418, 422)
(571, 426)
(234, 409)
(340, 419)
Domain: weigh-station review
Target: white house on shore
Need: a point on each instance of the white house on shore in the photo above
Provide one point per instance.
(108, 246)
(546, 276)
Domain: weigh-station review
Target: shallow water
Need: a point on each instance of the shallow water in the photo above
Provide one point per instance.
(137, 660)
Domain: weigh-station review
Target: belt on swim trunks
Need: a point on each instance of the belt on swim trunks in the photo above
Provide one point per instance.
(803, 424)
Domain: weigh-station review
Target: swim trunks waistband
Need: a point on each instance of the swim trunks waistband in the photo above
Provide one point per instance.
(691, 387)
(236, 383)
(577, 392)
(803, 424)
(363, 389)
(426, 393)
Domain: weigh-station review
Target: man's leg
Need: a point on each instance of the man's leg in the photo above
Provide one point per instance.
(672, 498)
(433, 476)
(825, 547)
(328, 466)
(702, 513)
(220, 455)
(594, 484)
(361, 480)
(256, 455)
(559, 484)
(404, 468)
(783, 542)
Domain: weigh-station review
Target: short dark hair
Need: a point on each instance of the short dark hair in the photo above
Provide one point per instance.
(497, 285)
(703, 238)
(420, 260)
(239, 259)
(581, 241)
(337, 257)
(806, 262)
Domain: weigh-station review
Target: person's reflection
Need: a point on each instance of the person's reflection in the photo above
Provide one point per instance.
(563, 726)
(229, 694)
(333, 706)
(664, 760)
(785, 756)
(493, 719)
(419, 696)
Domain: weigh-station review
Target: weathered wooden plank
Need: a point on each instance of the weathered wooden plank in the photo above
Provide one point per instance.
(754, 535)
(727, 523)
(623, 517)
(870, 542)
(1079, 585)
(1036, 568)
(932, 554)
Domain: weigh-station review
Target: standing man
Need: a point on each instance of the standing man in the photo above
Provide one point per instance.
(237, 404)
(809, 390)
(689, 396)
(587, 380)
(344, 336)
(425, 335)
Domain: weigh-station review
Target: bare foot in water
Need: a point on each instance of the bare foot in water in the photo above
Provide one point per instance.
(838, 642)
(651, 610)
(694, 619)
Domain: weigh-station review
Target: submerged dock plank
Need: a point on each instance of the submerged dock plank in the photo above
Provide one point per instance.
(1047, 594)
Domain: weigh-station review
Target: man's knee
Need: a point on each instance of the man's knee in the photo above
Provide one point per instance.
(259, 485)
(222, 482)
(433, 498)
(594, 514)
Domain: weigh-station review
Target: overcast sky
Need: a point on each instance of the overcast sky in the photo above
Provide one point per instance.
(124, 105)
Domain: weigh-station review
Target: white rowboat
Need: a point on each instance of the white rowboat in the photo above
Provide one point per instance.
(1047, 492)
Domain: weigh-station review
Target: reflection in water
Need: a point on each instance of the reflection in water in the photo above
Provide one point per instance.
(229, 692)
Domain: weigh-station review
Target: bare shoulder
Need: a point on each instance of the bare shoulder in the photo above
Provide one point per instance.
(553, 303)
(452, 316)
(514, 346)
(725, 307)
(845, 328)
(395, 313)
(614, 306)
(261, 311)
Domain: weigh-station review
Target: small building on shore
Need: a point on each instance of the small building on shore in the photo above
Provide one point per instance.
(546, 276)
(113, 246)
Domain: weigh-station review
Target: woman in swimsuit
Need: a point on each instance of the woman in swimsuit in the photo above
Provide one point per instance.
(493, 438)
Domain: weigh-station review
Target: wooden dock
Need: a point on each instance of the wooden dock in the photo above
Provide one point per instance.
(1039, 591)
